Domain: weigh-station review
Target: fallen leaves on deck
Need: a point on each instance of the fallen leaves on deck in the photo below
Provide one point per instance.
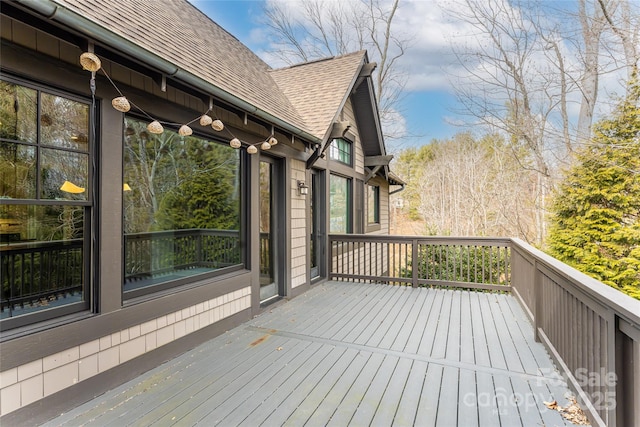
(571, 412)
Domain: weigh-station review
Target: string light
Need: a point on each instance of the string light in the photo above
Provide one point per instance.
(205, 120)
(217, 125)
(185, 130)
(155, 127)
(91, 62)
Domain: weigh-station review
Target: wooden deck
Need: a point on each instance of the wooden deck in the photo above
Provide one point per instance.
(352, 354)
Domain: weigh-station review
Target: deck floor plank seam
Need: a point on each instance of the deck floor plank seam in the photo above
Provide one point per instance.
(449, 398)
(349, 404)
(467, 399)
(438, 349)
(273, 391)
(427, 412)
(428, 334)
(388, 408)
(491, 333)
(271, 402)
(525, 352)
(372, 397)
(350, 312)
(314, 398)
(509, 350)
(327, 407)
(410, 399)
(467, 343)
(362, 319)
(418, 330)
(399, 310)
(454, 332)
(244, 399)
(305, 385)
(404, 329)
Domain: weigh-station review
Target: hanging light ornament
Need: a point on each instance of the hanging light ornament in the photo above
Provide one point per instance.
(265, 146)
(185, 130)
(272, 141)
(90, 61)
(217, 125)
(235, 143)
(252, 149)
(155, 127)
(121, 104)
(205, 120)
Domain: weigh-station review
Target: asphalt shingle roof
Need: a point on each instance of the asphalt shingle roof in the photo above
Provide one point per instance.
(306, 96)
(317, 89)
(179, 33)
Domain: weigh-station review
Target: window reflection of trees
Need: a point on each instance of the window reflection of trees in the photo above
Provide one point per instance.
(27, 162)
(179, 182)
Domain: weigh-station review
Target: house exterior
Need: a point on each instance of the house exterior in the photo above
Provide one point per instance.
(122, 247)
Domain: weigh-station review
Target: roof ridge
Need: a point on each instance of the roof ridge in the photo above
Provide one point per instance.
(315, 61)
(208, 18)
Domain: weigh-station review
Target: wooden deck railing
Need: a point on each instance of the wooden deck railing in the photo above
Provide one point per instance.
(475, 263)
(590, 329)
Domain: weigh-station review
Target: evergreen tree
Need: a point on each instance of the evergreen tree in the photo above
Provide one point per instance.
(206, 195)
(596, 213)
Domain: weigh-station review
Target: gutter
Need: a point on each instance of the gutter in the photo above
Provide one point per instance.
(397, 190)
(53, 11)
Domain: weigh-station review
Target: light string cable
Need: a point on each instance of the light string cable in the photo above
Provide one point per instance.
(205, 120)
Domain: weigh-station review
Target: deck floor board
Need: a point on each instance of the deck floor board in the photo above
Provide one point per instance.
(351, 354)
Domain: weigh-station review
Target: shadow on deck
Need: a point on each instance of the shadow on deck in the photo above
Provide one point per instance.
(352, 354)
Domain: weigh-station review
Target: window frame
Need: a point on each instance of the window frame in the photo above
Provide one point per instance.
(350, 203)
(89, 204)
(376, 205)
(160, 289)
(341, 147)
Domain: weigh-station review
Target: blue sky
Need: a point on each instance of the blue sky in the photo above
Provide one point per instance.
(427, 111)
(429, 107)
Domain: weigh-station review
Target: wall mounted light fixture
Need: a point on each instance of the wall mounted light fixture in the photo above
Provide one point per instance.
(303, 190)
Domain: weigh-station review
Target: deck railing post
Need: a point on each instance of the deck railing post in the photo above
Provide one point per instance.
(538, 300)
(627, 363)
(416, 263)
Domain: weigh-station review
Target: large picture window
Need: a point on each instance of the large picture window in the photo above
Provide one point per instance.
(181, 200)
(45, 203)
(340, 201)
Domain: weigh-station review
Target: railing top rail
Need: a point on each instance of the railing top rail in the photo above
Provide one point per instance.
(182, 232)
(40, 244)
(623, 304)
(479, 241)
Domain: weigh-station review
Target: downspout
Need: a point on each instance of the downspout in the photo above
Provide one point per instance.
(54, 11)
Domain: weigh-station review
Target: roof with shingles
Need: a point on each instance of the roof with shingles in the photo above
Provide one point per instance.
(179, 33)
(318, 89)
